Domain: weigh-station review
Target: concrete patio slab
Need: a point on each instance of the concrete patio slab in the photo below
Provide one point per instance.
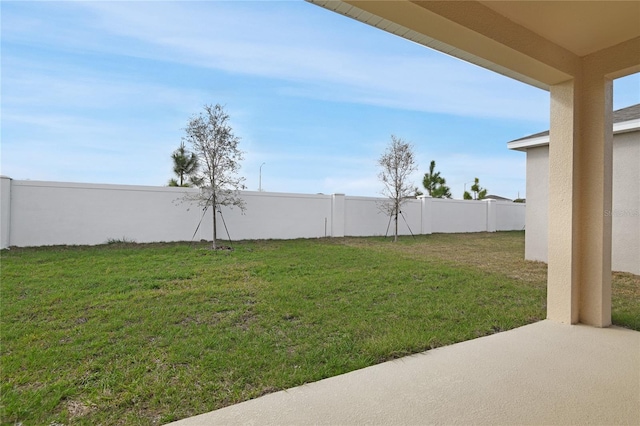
(543, 373)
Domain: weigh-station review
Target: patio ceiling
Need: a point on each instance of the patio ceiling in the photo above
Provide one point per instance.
(582, 27)
(539, 43)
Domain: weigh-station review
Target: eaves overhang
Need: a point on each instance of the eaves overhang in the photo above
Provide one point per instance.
(542, 140)
(468, 31)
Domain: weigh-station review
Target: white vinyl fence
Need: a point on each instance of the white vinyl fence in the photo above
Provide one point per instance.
(34, 213)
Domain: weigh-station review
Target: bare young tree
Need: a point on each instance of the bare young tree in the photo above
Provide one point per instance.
(397, 164)
(213, 141)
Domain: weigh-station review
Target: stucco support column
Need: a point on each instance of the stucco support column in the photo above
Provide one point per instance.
(580, 176)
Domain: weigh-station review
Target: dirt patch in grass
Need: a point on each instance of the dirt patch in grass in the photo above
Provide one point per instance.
(79, 409)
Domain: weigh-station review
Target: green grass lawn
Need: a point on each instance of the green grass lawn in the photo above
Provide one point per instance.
(146, 334)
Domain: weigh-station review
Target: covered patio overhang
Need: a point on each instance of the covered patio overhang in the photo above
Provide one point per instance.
(574, 49)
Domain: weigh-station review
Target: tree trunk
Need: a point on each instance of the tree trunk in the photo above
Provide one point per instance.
(395, 235)
(215, 231)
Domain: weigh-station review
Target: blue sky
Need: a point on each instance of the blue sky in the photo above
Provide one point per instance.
(101, 92)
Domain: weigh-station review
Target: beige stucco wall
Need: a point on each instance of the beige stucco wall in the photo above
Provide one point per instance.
(625, 213)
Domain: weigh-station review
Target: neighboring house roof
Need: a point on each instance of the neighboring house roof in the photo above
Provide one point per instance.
(624, 120)
(497, 198)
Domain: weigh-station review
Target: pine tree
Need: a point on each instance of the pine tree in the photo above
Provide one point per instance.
(185, 166)
(479, 193)
(435, 184)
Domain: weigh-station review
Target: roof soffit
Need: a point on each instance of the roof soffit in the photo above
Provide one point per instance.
(492, 28)
(582, 27)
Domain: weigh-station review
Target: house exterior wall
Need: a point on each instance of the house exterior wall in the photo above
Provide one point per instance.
(537, 223)
(625, 252)
(625, 213)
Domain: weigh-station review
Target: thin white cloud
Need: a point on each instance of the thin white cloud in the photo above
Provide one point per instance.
(30, 84)
(286, 44)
